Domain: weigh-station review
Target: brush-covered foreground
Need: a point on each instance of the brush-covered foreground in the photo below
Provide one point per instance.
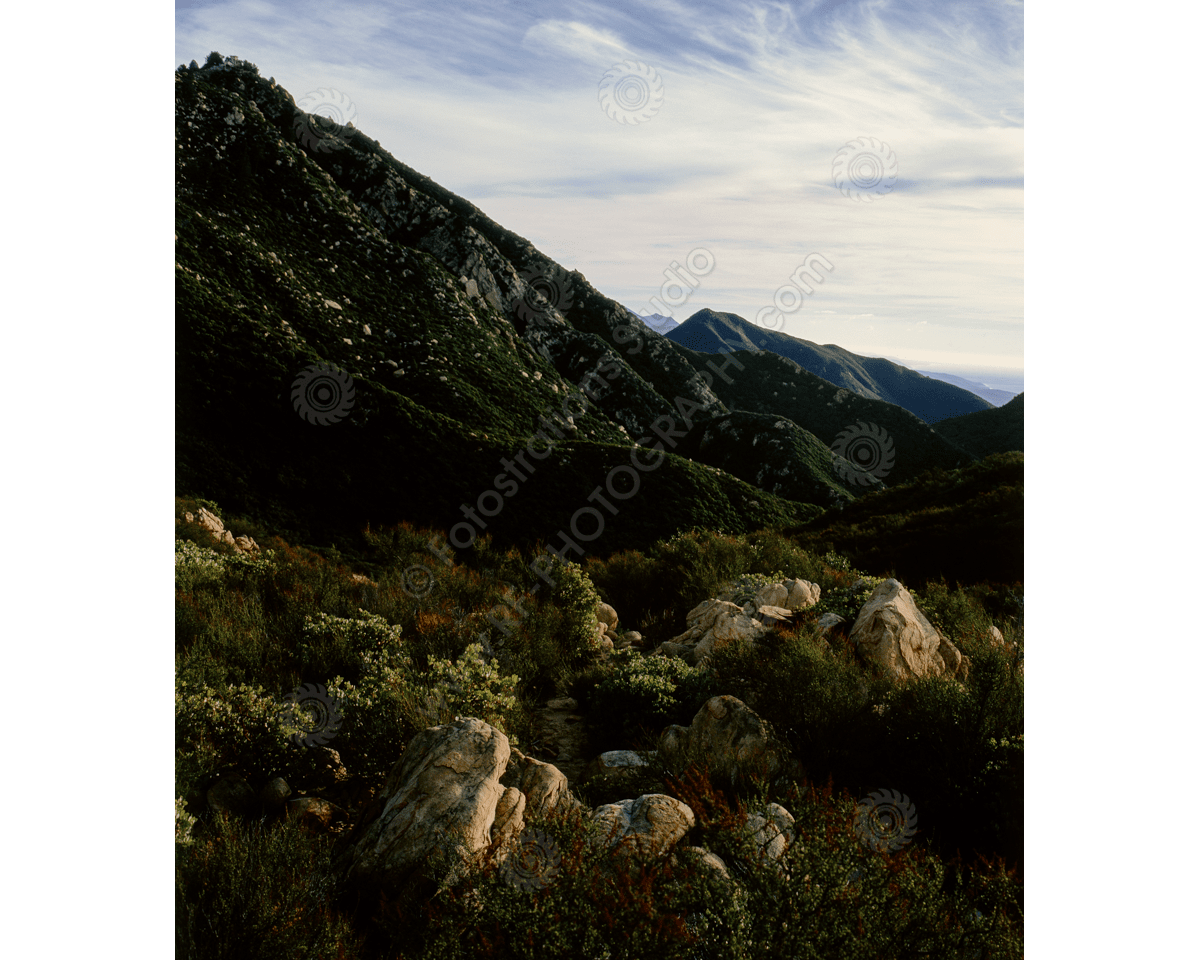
(393, 649)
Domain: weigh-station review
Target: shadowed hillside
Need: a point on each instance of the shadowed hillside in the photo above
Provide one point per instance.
(988, 431)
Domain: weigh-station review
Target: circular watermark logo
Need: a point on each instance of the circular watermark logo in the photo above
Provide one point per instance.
(885, 820)
(631, 92)
(865, 168)
(323, 394)
(417, 580)
(312, 709)
(546, 288)
(323, 120)
(863, 452)
(534, 863)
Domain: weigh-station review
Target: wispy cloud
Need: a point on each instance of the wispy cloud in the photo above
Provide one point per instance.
(499, 102)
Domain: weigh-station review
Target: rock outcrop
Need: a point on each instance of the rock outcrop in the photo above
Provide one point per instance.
(441, 794)
(708, 624)
(215, 526)
(648, 827)
(893, 633)
(732, 739)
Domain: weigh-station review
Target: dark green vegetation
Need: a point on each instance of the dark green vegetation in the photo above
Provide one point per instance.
(988, 431)
(707, 331)
(249, 631)
(965, 524)
(779, 389)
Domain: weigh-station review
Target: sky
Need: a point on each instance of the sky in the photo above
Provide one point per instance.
(742, 138)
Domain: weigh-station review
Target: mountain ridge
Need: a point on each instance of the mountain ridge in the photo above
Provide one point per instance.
(709, 331)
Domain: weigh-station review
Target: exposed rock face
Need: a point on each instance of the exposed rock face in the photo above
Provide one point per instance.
(710, 623)
(732, 739)
(801, 594)
(543, 786)
(646, 827)
(773, 831)
(892, 632)
(606, 615)
(442, 793)
(215, 526)
(828, 621)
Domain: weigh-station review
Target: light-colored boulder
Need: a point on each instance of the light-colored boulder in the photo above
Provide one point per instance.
(772, 616)
(772, 831)
(700, 618)
(510, 815)
(616, 763)
(892, 632)
(828, 621)
(245, 544)
(995, 635)
(441, 794)
(606, 614)
(646, 827)
(543, 785)
(771, 595)
(801, 594)
(732, 739)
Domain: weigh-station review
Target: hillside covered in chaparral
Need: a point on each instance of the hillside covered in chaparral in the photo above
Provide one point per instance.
(507, 626)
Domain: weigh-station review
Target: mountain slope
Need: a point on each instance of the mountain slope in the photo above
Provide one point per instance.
(964, 525)
(458, 359)
(708, 331)
(774, 385)
(997, 398)
(988, 431)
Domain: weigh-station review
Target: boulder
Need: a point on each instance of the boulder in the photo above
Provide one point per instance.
(646, 827)
(510, 815)
(801, 594)
(772, 595)
(615, 763)
(710, 623)
(441, 794)
(732, 739)
(606, 614)
(996, 636)
(773, 616)
(828, 622)
(543, 785)
(314, 814)
(893, 633)
(275, 793)
(772, 831)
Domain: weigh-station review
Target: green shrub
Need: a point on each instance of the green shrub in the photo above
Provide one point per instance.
(473, 687)
(334, 646)
(575, 598)
(644, 694)
(258, 891)
(231, 730)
